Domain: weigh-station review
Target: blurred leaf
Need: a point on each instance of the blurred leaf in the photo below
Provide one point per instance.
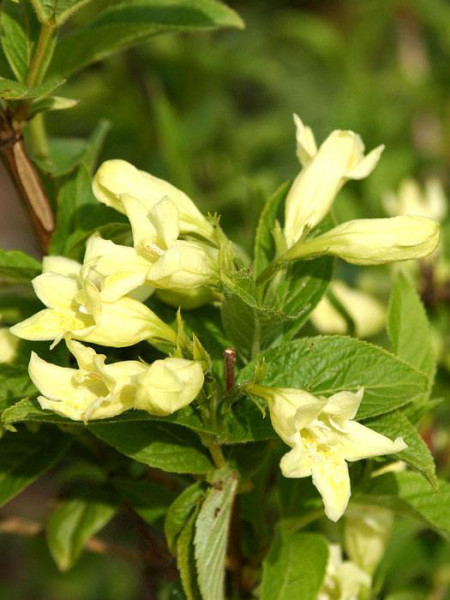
(14, 90)
(15, 383)
(65, 154)
(148, 499)
(49, 104)
(19, 33)
(325, 365)
(180, 511)
(159, 445)
(74, 522)
(295, 567)
(408, 494)
(417, 454)
(25, 456)
(409, 329)
(131, 22)
(211, 534)
(18, 266)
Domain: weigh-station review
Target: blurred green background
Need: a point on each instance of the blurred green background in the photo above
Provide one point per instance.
(212, 113)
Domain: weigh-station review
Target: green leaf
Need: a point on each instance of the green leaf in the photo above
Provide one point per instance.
(65, 154)
(75, 521)
(25, 456)
(325, 365)
(14, 90)
(18, 266)
(57, 11)
(76, 189)
(51, 103)
(264, 248)
(134, 21)
(186, 559)
(180, 510)
(409, 329)
(149, 500)
(159, 445)
(417, 454)
(408, 494)
(211, 534)
(295, 567)
(14, 383)
(19, 33)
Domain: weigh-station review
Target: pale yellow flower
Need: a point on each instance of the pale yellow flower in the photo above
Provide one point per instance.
(323, 435)
(8, 345)
(372, 241)
(325, 171)
(344, 580)
(76, 309)
(116, 178)
(158, 258)
(98, 391)
(368, 314)
(411, 199)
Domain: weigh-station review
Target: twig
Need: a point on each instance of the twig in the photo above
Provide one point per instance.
(19, 526)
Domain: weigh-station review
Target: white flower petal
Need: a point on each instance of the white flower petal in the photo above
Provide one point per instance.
(343, 405)
(360, 442)
(306, 142)
(331, 478)
(49, 324)
(366, 165)
(54, 290)
(61, 265)
(296, 463)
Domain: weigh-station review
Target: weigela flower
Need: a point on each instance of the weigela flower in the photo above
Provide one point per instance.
(158, 258)
(77, 309)
(344, 580)
(325, 171)
(98, 391)
(428, 202)
(368, 314)
(323, 435)
(372, 241)
(116, 178)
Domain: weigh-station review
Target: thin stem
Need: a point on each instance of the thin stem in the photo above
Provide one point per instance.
(216, 453)
(38, 136)
(37, 65)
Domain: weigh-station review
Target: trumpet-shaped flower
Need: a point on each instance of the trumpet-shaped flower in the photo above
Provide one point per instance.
(116, 178)
(368, 314)
(325, 171)
(412, 200)
(366, 532)
(372, 241)
(158, 258)
(77, 309)
(98, 391)
(323, 435)
(344, 580)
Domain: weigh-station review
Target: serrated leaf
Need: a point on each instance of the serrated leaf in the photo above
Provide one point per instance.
(19, 34)
(14, 383)
(408, 494)
(186, 559)
(159, 445)
(417, 454)
(409, 329)
(325, 365)
(134, 21)
(25, 456)
(295, 567)
(57, 11)
(149, 500)
(75, 521)
(15, 90)
(18, 266)
(211, 534)
(180, 511)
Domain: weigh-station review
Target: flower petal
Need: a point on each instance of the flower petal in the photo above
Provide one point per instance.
(343, 405)
(56, 383)
(83, 354)
(50, 324)
(360, 442)
(306, 143)
(296, 463)
(331, 478)
(366, 165)
(61, 265)
(54, 290)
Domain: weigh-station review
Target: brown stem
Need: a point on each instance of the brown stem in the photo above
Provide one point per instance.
(19, 526)
(229, 358)
(27, 180)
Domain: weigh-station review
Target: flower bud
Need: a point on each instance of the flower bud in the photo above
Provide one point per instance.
(187, 299)
(372, 241)
(339, 158)
(115, 178)
(168, 385)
